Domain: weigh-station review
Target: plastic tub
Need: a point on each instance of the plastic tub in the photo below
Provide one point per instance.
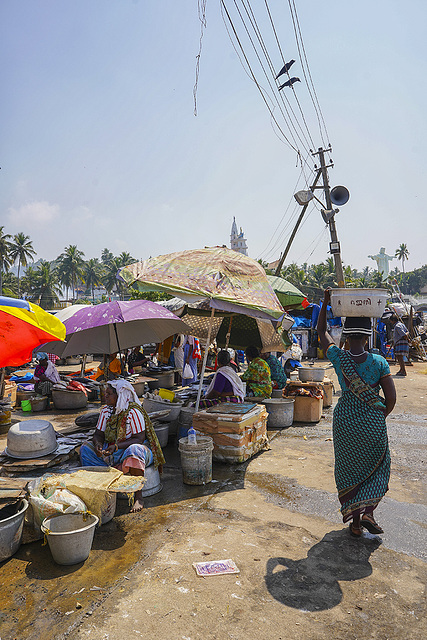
(160, 405)
(11, 530)
(280, 412)
(365, 303)
(138, 387)
(162, 433)
(196, 460)
(39, 403)
(66, 399)
(70, 536)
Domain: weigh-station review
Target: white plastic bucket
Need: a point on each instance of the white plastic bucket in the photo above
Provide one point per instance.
(280, 412)
(196, 460)
(70, 536)
(11, 531)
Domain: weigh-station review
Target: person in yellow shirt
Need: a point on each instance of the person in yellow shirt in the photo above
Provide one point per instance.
(114, 368)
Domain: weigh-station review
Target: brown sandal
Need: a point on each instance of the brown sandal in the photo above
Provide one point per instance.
(369, 523)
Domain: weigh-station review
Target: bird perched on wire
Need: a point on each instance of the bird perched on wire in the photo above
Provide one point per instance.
(289, 83)
(286, 68)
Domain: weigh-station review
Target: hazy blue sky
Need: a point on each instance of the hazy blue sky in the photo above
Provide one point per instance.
(100, 146)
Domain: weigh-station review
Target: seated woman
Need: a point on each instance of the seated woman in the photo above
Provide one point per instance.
(226, 385)
(124, 436)
(257, 375)
(113, 366)
(136, 359)
(45, 375)
(277, 372)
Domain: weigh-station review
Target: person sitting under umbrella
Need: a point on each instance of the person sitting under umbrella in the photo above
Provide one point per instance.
(257, 375)
(136, 359)
(113, 366)
(45, 375)
(226, 385)
(277, 372)
(124, 437)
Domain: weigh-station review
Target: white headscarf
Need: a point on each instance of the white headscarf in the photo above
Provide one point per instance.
(125, 394)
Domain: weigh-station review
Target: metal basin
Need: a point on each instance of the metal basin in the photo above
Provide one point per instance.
(31, 439)
(311, 374)
(11, 529)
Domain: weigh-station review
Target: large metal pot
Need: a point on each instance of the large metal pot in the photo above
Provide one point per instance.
(311, 374)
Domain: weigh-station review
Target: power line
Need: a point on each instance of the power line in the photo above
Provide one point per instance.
(252, 75)
(283, 97)
(316, 104)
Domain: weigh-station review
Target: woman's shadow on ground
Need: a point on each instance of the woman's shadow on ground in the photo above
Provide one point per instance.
(312, 583)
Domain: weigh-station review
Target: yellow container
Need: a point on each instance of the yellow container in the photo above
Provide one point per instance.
(166, 394)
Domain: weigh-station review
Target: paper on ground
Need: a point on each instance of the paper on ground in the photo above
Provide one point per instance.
(215, 567)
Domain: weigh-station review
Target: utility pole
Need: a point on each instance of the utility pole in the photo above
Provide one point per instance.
(334, 245)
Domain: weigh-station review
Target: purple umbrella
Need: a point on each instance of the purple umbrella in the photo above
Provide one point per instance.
(112, 326)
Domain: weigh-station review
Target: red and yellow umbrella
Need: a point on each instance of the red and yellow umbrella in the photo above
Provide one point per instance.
(22, 330)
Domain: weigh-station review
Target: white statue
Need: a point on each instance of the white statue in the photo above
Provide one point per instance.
(382, 260)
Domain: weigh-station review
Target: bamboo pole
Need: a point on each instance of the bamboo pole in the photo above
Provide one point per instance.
(205, 357)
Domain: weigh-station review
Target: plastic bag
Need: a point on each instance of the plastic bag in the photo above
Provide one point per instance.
(187, 372)
(59, 500)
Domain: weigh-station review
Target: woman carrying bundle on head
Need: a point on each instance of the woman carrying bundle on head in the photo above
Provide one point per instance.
(124, 436)
(362, 456)
(226, 385)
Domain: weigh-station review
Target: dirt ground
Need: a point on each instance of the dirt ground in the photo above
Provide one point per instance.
(301, 574)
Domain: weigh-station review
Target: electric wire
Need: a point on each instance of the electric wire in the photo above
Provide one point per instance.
(280, 221)
(319, 239)
(315, 101)
(249, 12)
(292, 87)
(201, 10)
(252, 75)
(279, 238)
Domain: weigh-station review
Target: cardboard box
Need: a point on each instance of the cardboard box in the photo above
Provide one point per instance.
(10, 392)
(236, 437)
(306, 408)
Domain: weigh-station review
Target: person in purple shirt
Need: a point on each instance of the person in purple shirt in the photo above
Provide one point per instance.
(226, 385)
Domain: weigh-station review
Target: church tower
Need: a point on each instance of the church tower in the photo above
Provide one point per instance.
(238, 240)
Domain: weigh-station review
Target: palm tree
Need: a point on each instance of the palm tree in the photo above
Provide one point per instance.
(5, 260)
(106, 256)
(125, 259)
(47, 287)
(29, 281)
(402, 253)
(21, 249)
(71, 267)
(93, 272)
(10, 285)
(110, 277)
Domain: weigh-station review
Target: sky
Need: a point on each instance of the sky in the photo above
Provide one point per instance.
(101, 148)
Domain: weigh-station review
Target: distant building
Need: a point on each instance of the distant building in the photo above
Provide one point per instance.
(238, 240)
